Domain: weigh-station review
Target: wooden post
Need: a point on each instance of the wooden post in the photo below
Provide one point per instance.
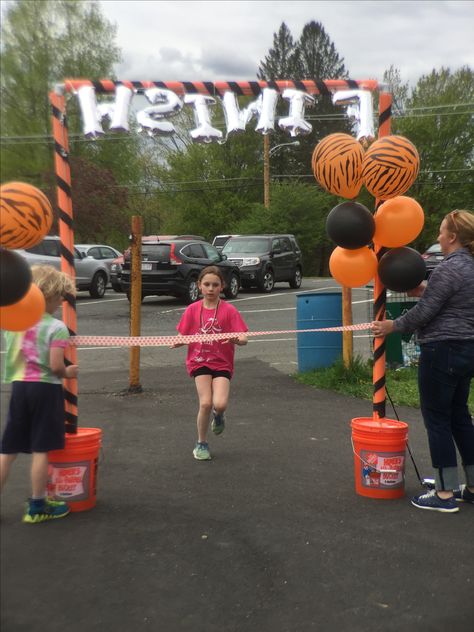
(135, 301)
(347, 340)
(266, 170)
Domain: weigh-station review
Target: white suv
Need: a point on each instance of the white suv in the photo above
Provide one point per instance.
(91, 261)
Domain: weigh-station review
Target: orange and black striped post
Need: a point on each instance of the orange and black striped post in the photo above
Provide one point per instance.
(66, 233)
(218, 88)
(380, 294)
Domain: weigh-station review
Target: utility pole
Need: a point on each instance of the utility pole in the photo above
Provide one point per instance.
(266, 170)
(267, 152)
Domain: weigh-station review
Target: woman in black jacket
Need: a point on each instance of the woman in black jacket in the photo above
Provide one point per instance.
(444, 321)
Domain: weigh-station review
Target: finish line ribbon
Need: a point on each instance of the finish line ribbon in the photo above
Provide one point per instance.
(167, 341)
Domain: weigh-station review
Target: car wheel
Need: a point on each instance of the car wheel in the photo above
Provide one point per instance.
(232, 290)
(192, 291)
(98, 285)
(296, 280)
(267, 282)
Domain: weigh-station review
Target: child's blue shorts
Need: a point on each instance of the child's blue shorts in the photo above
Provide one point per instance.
(35, 421)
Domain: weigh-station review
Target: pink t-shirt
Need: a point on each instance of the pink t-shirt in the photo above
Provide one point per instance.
(215, 355)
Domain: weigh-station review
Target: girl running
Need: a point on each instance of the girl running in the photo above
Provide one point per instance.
(211, 364)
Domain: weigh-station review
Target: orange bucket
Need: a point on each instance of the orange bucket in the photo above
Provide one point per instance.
(379, 457)
(72, 472)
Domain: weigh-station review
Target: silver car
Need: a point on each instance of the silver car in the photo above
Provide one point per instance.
(91, 261)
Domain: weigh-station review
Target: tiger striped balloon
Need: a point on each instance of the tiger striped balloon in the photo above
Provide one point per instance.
(26, 215)
(390, 167)
(337, 165)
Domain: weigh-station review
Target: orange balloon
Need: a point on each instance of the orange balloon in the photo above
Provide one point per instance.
(398, 221)
(337, 165)
(390, 167)
(26, 215)
(353, 268)
(25, 313)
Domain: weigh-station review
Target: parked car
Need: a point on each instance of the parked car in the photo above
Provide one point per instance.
(172, 266)
(116, 274)
(117, 264)
(264, 260)
(220, 241)
(432, 257)
(91, 261)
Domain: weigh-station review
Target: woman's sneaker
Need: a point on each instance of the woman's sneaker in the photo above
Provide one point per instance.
(463, 495)
(201, 452)
(432, 501)
(217, 423)
(37, 511)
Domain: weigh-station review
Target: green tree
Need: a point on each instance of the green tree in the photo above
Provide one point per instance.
(398, 88)
(299, 209)
(44, 42)
(312, 56)
(208, 189)
(282, 59)
(438, 120)
(317, 54)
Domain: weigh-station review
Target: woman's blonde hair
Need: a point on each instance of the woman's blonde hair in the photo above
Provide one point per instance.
(462, 224)
(51, 282)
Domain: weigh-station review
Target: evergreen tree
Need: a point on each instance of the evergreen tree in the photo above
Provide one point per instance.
(312, 56)
(317, 55)
(282, 60)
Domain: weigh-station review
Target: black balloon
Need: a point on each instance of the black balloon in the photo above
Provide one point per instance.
(402, 269)
(15, 277)
(350, 225)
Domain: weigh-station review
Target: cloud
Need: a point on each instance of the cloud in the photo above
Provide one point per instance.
(227, 39)
(218, 63)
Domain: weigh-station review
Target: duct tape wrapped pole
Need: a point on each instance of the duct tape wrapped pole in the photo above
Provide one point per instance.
(66, 233)
(380, 294)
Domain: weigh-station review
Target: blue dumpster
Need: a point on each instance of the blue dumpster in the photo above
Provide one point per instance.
(314, 311)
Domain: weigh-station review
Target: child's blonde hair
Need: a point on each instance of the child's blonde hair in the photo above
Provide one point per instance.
(51, 282)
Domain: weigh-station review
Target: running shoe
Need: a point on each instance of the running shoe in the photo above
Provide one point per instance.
(218, 422)
(432, 501)
(201, 451)
(40, 512)
(463, 495)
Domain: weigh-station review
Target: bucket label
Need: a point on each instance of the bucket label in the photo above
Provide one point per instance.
(382, 470)
(69, 480)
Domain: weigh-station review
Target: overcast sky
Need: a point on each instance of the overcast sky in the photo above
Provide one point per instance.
(226, 40)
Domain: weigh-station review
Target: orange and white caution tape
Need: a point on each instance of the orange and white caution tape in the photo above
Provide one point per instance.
(168, 341)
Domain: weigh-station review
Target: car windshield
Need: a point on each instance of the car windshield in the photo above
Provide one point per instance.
(220, 241)
(246, 246)
(435, 248)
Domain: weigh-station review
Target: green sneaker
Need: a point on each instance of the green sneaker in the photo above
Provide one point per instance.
(201, 452)
(47, 510)
(217, 423)
(55, 503)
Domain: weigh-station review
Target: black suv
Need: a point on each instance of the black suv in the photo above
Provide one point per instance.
(172, 266)
(264, 260)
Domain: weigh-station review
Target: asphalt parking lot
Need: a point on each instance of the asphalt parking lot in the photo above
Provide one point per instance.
(269, 536)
